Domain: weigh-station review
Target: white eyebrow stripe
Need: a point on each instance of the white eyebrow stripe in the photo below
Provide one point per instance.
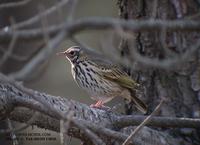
(73, 49)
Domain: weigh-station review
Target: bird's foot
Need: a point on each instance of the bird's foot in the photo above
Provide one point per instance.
(99, 105)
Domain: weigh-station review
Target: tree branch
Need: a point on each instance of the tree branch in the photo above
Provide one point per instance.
(12, 98)
(49, 48)
(138, 128)
(14, 4)
(104, 23)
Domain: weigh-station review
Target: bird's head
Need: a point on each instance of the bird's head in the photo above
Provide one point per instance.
(77, 53)
(72, 53)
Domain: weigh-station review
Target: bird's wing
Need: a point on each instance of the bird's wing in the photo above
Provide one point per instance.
(111, 71)
(121, 78)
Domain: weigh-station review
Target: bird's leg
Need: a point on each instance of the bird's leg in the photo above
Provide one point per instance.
(99, 104)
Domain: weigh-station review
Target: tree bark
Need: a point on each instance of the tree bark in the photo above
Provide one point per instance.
(19, 104)
(179, 85)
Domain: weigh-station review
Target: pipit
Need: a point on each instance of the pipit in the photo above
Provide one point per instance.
(100, 78)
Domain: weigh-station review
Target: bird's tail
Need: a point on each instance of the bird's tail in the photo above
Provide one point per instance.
(139, 104)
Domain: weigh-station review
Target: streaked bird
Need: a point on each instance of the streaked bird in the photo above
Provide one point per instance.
(100, 78)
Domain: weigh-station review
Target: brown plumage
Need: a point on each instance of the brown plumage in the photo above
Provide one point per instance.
(102, 79)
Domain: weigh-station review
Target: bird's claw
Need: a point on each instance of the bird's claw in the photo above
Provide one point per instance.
(100, 106)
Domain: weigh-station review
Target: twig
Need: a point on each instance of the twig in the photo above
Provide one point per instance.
(38, 17)
(41, 57)
(15, 56)
(8, 53)
(105, 131)
(138, 128)
(19, 57)
(44, 54)
(105, 23)
(11, 46)
(14, 4)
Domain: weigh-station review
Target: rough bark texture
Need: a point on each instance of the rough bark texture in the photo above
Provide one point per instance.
(13, 99)
(179, 86)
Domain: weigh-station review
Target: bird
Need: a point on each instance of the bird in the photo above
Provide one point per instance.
(101, 78)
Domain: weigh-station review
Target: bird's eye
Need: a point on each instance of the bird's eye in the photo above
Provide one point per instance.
(72, 53)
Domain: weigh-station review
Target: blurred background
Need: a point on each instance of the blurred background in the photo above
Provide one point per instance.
(54, 77)
(177, 83)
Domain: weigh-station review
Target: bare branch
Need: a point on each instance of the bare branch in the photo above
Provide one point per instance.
(15, 56)
(105, 23)
(14, 95)
(163, 122)
(14, 4)
(38, 17)
(45, 53)
(39, 59)
(136, 130)
(9, 51)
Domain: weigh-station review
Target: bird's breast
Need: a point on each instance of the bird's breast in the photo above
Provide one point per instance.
(89, 78)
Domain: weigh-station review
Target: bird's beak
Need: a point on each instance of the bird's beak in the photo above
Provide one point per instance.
(60, 54)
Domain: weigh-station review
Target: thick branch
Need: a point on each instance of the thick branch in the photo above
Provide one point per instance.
(164, 122)
(11, 97)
